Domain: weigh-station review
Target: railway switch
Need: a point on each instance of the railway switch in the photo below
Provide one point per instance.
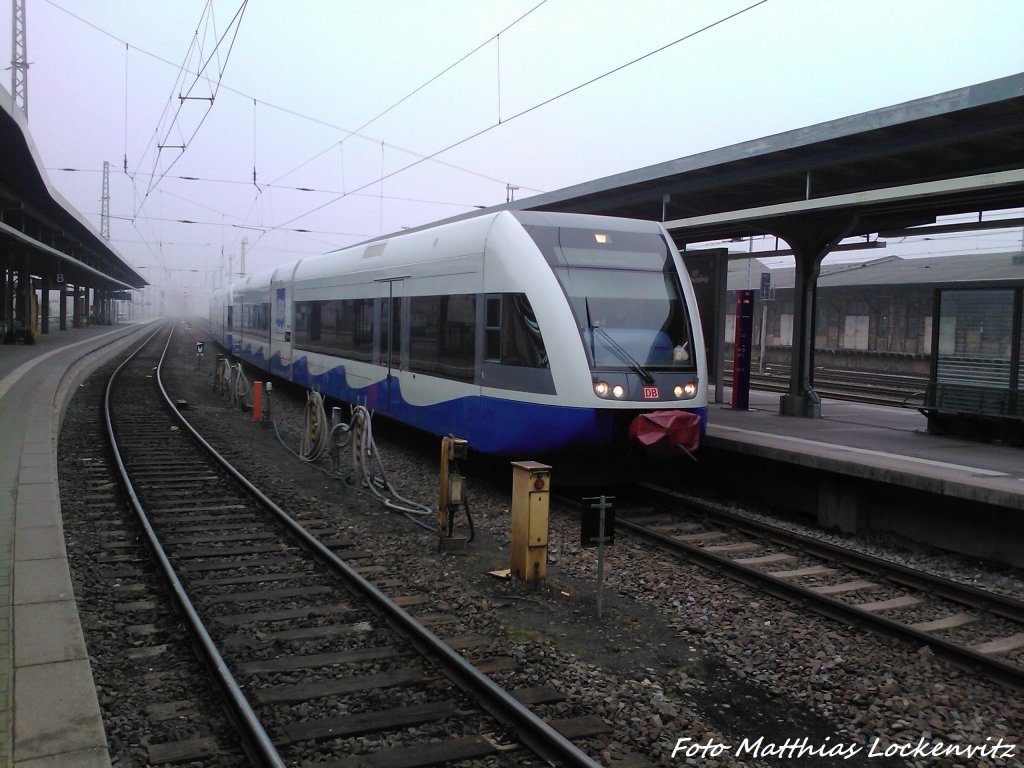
(531, 488)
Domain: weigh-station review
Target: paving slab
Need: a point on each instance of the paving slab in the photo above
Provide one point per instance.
(56, 711)
(37, 504)
(45, 542)
(97, 757)
(47, 633)
(41, 581)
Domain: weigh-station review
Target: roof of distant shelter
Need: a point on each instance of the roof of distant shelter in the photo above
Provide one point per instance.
(891, 270)
(35, 218)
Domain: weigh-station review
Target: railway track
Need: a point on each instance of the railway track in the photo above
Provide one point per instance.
(318, 664)
(860, 386)
(972, 627)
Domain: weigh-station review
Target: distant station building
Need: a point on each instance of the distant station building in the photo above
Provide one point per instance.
(877, 315)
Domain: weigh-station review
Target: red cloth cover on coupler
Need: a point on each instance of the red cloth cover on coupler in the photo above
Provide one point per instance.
(666, 432)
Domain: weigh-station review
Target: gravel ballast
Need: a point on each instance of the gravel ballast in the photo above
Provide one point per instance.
(687, 666)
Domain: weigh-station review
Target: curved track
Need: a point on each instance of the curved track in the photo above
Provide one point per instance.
(292, 632)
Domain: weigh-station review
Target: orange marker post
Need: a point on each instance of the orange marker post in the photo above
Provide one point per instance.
(257, 401)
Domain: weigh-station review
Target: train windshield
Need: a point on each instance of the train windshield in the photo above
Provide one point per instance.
(625, 293)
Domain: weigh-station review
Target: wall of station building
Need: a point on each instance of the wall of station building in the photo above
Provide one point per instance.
(874, 328)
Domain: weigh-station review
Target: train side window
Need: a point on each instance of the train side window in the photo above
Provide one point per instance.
(384, 337)
(362, 329)
(231, 317)
(512, 333)
(328, 322)
(314, 320)
(390, 339)
(396, 332)
(301, 321)
(345, 333)
(256, 318)
(457, 343)
(521, 340)
(424, 321)
(442, 336)
(492, 328)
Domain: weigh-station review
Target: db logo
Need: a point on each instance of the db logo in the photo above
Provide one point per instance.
(650, 393)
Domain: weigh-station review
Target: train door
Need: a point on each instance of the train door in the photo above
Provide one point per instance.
(390, 343)
(280, 355)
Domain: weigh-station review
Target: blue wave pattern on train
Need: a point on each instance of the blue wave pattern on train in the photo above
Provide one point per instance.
(521, 332)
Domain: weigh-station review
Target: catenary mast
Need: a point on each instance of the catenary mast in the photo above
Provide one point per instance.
(19, 56)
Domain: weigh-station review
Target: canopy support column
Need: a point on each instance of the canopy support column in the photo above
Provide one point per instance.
(811, 243)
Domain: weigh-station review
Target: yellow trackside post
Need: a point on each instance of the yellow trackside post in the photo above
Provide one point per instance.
(531, 487)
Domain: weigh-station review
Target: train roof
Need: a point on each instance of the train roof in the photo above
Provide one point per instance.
(463, 236)
(585, 221)
(415, 246)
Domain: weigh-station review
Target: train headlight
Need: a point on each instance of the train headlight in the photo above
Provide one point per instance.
(601, 389)
(690, 389)
(618, 391)
(678, 391)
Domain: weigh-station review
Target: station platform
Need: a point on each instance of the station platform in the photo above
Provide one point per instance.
(49, 715)
(872, 468)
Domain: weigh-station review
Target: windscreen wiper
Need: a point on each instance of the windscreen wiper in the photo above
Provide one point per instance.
(615, 347)
(622, 354)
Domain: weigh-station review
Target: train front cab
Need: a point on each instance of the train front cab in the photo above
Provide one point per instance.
(633, 311)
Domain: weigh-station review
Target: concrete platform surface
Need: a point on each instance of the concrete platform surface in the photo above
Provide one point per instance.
(49, 715)
(881, 443)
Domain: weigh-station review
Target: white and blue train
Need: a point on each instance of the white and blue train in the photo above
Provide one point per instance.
(522, 332)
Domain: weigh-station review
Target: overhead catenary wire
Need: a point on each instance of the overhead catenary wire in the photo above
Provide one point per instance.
(522, 113)
(358, 131)
(434, 156)
(271, 105)
(235, 24)
(286, 187)
(158, 174)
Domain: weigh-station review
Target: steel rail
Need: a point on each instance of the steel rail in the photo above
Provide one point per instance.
(1005, 672)
(538, 735)
(258, 743)
(973, 597)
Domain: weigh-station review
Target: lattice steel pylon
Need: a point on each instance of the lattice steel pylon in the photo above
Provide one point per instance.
(19, 56)
(105, 203)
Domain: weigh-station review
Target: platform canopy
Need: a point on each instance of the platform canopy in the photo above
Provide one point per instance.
(36, 220)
